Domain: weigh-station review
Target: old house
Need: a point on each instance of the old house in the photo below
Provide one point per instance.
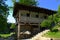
(28, 19)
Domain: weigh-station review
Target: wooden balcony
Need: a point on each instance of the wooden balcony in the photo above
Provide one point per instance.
(30, 19)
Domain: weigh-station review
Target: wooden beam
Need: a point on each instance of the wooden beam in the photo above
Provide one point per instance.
(18, 34)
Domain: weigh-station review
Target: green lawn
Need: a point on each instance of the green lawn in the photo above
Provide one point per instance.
(6, 35)
(52, 34)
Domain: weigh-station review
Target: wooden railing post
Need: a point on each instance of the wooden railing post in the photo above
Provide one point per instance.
(18, 34)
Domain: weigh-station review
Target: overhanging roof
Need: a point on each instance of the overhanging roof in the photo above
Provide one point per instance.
(18, 7)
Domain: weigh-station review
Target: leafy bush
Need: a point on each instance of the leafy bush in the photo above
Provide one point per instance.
(46, 23)
(53, 21)
(12, 26)
(55, 30)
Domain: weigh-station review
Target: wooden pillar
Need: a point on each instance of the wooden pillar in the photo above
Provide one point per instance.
(18, 33)
(29, 17)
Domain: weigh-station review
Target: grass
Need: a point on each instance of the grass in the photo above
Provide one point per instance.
(52, 34)
(6, 35)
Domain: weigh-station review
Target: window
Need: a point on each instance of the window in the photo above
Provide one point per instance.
(37, 16)
(45, 17)
(27, 14)
(34, 26)
(23, 14)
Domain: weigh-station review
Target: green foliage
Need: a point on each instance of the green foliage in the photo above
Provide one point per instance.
(49, 17)
(7, 35)
(3, 16)
(3, 23)
(54, 30)
(52, 18)
(52, 34)
(49, 21)
(12, 26)
(3, 8)
(46, 23)
(58, 9)
(28, 2)
(13, 1)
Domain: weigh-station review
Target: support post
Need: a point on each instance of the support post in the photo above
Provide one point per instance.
(18, 34)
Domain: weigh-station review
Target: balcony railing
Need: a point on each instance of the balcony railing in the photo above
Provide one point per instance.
(31, 19)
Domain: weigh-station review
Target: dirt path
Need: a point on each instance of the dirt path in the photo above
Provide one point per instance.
(39, 36)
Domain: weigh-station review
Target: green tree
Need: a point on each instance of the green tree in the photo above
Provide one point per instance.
(46, 23)
(3, 9)
(26, 2)
(3, 16)
(55, 18)
(59, 10)
(12, 26)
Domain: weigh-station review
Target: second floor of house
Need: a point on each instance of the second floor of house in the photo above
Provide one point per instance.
(31, 17)
(31, 14)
